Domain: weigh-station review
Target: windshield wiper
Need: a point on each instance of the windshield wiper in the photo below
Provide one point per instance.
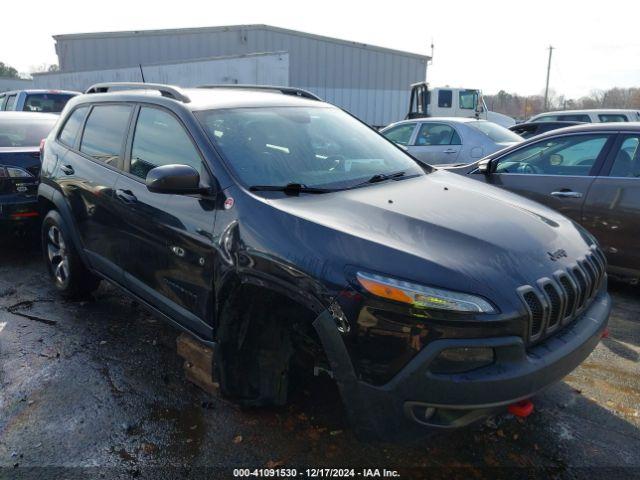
(293, 189)
(380, 177)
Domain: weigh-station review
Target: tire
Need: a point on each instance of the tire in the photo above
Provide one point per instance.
(66, 269)
(256, 363)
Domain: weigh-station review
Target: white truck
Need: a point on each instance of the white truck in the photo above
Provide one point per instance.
(452, 102)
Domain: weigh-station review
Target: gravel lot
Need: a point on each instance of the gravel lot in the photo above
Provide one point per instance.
(96, 387)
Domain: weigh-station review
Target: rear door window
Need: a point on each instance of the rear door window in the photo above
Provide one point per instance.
(401, 134)
(626, 163)
(160, 139)
(104, 133)
(608, 117)
(69, 133)
(431, 134)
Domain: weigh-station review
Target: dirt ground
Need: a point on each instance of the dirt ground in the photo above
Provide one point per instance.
(95, 389)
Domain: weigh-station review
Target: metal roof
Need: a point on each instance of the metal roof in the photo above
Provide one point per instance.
(139, 33)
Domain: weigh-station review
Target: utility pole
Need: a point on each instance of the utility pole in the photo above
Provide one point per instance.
(546, 88)
(430, 61)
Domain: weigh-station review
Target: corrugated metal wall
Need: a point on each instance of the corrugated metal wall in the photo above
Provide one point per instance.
(264, 68)
(7, 84)
(371, 82)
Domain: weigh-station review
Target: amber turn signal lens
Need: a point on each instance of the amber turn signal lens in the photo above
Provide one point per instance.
(385, 291)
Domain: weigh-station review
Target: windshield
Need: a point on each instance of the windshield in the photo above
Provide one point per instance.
(46, 102)
(495, 132)
(316, 147)
(24, 133)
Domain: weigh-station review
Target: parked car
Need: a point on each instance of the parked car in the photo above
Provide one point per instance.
(20, 137)
(289, 236)
(590, 173)
(531, 129)
(588, 116)
(46, 101)
(439, 141)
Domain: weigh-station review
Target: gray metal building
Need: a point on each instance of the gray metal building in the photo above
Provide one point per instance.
(371, 82)
(7, 84)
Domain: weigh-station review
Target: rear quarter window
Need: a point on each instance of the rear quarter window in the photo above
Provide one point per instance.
(69, 133)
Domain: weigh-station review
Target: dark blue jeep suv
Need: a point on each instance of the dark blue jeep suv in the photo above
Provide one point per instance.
(286, 234)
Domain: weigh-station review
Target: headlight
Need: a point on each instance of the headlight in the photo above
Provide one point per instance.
(421, 296)
(14, 172)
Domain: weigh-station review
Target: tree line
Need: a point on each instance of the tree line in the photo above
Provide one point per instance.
(7, 71)
(523, 107)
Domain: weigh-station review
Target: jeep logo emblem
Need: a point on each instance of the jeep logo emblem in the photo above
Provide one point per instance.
(557, 255)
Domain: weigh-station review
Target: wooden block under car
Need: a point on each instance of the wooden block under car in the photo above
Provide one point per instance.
(198, 364)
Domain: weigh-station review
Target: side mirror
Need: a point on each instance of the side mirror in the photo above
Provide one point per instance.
(177, 179)
(484, 166)
(556, 159)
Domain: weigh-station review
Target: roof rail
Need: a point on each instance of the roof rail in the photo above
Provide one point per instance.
(298, 92)
(165, 90)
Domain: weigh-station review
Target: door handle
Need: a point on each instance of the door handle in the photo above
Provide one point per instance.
(126, 196)
(450, 150)
(67, 169)
(566, 194)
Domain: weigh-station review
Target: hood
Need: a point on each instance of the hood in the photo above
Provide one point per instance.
(467, 235)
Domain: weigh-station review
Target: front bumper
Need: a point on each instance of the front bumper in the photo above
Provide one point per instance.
(416, 396)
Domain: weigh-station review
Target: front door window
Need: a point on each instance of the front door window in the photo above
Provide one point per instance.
(573, 155)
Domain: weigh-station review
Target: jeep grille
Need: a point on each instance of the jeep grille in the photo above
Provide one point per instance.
(555, 302)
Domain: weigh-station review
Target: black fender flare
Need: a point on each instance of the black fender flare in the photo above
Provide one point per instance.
(55, 197)
(371, 413)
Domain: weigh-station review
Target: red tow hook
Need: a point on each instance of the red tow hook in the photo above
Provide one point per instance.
(605, 333)
(521, 409)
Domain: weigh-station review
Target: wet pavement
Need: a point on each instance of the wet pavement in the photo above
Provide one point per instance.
(95, 389)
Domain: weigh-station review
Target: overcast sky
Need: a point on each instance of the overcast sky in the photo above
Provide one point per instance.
(489, 44)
